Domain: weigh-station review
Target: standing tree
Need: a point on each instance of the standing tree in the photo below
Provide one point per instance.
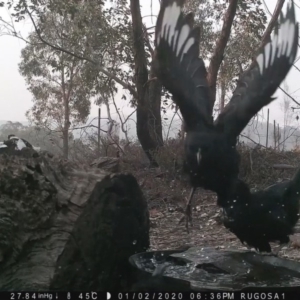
(125, 40)
(145, 90)
(61, 93)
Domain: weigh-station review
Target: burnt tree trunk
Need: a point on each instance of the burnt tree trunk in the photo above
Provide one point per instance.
(149, 128)
(66, 99)
(66, 228)
(217, 56)
(223, 89)
(154, 94)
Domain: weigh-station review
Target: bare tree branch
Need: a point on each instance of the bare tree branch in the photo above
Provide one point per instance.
(266, 37)
(252, 140)
(113, 141)
(292, 98)
(148, 41)
(176, 109)
(218, 53)
(120, 118)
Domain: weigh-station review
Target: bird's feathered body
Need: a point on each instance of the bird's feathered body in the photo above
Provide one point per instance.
(181, 70)
(16, 143)
(265, 216)
(211, 161)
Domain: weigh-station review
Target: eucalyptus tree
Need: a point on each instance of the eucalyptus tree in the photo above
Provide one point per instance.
(117, 48)
(62, 84)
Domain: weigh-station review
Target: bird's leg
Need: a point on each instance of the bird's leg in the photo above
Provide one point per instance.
(188, 211)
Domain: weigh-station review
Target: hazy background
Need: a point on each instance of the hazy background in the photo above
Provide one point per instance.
(15, 100)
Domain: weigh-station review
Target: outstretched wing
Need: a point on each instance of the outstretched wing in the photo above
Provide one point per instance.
(256, 87)
(178, 66)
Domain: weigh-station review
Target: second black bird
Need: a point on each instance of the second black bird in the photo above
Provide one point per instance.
(264, 216)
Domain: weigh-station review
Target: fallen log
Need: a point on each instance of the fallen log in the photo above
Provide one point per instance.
(66, 227)
(110, 164)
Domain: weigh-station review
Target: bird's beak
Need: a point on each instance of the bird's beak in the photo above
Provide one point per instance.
(199, 156)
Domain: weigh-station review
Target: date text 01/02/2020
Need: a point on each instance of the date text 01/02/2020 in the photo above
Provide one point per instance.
(148, 295)
(200, 296)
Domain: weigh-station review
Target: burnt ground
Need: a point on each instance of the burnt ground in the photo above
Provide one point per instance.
(167, 191)
(207, 228)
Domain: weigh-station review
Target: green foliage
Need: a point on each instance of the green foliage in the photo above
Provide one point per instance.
(114, 47)
(97, 30)
(57, 81)
(247, 30)
(102, 32)
(10, 128)
(206, 15)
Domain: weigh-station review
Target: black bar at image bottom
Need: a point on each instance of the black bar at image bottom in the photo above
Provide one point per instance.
(246, 295)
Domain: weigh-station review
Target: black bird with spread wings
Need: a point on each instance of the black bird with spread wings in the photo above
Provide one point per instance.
(210, 147)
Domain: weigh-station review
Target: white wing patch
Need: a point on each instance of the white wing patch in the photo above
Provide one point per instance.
(273, 53)
(281, 45)
(168, 33)
(187, 46)
(260, 60)
(184, 33)
(268, 54)
(169, 22)
(20, 144)
(291, 37)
